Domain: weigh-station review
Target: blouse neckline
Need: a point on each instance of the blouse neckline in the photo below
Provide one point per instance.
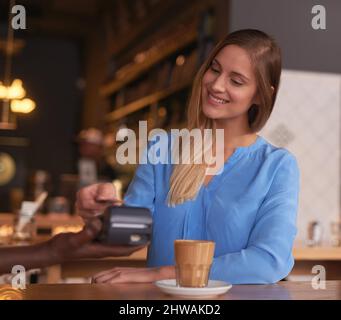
(238, 152)
(246, 150)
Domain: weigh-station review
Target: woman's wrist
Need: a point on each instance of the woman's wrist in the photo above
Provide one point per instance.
(167, 272)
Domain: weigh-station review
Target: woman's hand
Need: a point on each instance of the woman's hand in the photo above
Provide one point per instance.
(134, 275)
(69, 246)
(94, 199)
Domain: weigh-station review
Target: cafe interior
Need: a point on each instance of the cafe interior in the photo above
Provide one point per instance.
(76, 75)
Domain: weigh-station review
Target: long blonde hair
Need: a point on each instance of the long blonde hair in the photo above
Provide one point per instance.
(265, 55)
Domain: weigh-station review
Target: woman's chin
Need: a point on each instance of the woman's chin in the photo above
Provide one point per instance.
(211, 113)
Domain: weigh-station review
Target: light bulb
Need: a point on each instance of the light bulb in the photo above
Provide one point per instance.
(3, 91)
(23, 106)
(16, 90)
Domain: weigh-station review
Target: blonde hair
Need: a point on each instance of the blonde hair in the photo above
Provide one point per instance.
(265, 55)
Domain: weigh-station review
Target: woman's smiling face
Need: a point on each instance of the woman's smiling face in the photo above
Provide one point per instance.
(229, 86)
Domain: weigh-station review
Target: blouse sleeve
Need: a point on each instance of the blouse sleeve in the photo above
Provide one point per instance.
(141, 190)
(268, 255)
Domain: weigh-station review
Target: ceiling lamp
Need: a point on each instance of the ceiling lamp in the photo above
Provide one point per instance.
(12, 95)
(22, 106)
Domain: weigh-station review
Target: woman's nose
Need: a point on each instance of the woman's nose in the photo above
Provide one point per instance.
(219, 84)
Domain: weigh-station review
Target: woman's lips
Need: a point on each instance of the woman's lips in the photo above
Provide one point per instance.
(216, 100)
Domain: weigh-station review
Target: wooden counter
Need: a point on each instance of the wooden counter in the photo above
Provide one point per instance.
(86, 268)
(284, 290)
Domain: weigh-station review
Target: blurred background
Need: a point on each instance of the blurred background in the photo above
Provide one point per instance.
(83, 70)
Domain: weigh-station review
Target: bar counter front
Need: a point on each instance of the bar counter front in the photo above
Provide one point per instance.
(284, 290)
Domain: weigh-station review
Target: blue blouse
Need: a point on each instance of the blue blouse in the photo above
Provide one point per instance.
(249, 210)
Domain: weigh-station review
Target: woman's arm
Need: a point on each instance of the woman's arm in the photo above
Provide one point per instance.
(130, 275)
(268, 255)
(94, 199)
(141, 190)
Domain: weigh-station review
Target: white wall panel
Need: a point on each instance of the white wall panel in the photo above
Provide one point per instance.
(306, 121)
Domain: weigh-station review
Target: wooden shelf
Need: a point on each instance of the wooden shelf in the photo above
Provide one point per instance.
(154, 17)
(145, 102)
(135, 70)
(119, 43)
(317, 253)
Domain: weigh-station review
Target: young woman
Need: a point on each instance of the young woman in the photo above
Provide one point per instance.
(249, 210)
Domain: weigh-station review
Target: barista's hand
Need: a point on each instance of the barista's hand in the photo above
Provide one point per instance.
(69, 246)
(94, 199)
(134, 275)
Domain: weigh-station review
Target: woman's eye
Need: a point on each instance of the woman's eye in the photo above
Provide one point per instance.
(237, 83)
(214, 69)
